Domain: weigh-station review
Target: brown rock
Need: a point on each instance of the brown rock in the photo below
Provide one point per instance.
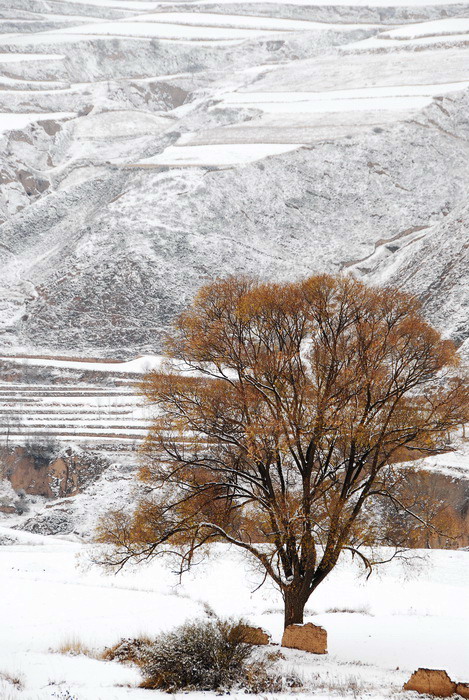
(42, 474)
(255, 635)
(462, 689)
(431, 682)
(307, 637)
(7, 509)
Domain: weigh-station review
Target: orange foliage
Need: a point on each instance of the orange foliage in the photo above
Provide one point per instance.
(300, 399)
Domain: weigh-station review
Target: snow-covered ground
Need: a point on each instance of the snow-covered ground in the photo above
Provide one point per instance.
(221, 154)
(11, 121)
(379, 630)
(454, 464)
(77, 411)
(139, 365)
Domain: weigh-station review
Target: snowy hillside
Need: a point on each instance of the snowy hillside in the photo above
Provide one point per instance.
(146, 146)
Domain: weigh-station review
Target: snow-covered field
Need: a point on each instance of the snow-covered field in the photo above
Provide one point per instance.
(78, 411)
(379, 630)
(11, 121)
(139, 365)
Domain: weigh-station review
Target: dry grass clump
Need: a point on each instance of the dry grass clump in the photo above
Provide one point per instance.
(73, 646)
(363, 610)
(13, 679)
(274, 655)
(347, 686)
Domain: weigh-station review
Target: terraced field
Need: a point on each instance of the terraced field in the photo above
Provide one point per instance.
(107, 414)
(73, 413)
(385, 78)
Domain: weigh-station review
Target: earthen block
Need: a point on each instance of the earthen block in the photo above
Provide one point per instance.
(431, 682)
(462, 689)
(307, 637)
(255, 635)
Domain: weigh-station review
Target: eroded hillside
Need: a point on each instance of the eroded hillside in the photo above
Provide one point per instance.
(147, 146)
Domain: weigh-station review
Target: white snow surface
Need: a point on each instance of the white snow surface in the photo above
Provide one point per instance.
(379, 630)
(15, 57)
(292, 103)
(14, 121)
(139, 365)
(136, 5)
(257, 98)
(176, 31)
(381, 43)
(338, 3)
(207, 19)
(441, 27)
(454, 464)
(233, 154)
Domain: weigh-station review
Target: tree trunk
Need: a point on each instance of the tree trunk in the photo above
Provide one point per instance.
(294, 608)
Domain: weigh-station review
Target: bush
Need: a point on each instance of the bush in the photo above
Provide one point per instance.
(259, 678)
(208, 655)
(202, 655)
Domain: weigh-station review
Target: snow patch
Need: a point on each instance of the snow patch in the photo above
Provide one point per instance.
(217, 155)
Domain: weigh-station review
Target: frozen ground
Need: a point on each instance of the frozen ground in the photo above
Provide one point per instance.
(379, 630)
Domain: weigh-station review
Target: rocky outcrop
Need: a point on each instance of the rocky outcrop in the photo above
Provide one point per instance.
(41, 471)
(57, 522)
(309, 637)
(255, 635)
(10, 502)
(431, 682)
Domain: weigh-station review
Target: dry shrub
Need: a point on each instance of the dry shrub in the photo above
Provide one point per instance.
(201, 655)
(209, 655)
(128, 650)
(259, 677)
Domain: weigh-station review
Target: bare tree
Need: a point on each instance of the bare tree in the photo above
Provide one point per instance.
(283, 437)
(426, 509)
